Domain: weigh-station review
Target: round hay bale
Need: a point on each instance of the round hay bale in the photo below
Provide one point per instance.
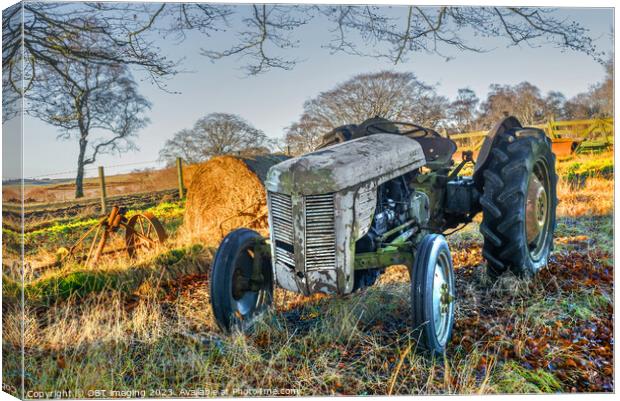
(226, 193)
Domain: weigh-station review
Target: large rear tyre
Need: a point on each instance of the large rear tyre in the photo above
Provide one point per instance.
(241, 280)
(518, 204)
(432, 294)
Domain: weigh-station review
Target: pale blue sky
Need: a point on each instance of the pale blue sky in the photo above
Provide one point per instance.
(274, 100)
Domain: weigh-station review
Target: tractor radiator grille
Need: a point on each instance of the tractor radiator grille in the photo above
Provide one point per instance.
(282, 228)
(320, 232)
(320, 236)
(281, 217)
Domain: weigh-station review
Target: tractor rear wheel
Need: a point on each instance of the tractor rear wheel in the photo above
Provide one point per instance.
(241, 280)
(518, 204)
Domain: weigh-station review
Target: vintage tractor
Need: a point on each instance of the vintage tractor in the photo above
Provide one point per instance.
(382, 193)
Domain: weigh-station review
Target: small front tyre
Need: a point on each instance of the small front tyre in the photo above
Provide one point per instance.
(432, 294)
(241, 280)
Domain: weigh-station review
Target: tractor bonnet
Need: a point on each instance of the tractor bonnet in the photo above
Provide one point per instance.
(377, 157)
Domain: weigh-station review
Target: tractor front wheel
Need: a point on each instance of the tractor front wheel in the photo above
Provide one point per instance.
(432, 294)
(241, 280)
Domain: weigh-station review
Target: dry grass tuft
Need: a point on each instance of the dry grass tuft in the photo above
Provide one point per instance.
(588, 194)
(595, 198)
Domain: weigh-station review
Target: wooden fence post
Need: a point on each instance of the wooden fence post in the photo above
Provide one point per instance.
(103, 192)
(180, 176)
(550, 127)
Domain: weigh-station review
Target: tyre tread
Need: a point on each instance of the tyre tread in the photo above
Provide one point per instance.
(504, 189)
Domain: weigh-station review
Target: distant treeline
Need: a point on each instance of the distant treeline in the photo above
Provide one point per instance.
(398, 96)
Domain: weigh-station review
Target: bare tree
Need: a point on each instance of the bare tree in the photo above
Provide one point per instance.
(554, 105)
(528, 103)
(130, 30)
(266, 27)
(523, 101)
(396, 96)
(602, 94)
(303, 136)
(598, 101)
(497, 104)
(98, 105)
(213, 135)
(428, 29)
(46, 34)
(52, 33)
(580, 107)
(463, 110)
(396, 33)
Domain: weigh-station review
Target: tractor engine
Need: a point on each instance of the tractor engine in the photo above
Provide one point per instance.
(397, 203)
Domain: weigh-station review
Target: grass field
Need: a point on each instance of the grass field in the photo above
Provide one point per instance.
(145, 325)
(60, 191)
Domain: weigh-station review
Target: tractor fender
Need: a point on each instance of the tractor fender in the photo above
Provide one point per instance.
(505, 125)
(508, 126)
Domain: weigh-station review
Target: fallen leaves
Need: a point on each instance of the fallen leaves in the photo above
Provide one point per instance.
(557, 330)
(561, 321)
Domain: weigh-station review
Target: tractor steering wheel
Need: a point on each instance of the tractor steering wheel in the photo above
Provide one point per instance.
(413, 128)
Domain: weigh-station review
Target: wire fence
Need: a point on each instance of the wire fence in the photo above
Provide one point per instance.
(101, 182)
(117, 168)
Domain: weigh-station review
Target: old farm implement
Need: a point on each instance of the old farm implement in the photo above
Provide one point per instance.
(142, 231)
(567, 137)
(583, 136)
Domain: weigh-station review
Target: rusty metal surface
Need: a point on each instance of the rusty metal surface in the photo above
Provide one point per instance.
(141, 230)
(564, 147)
(535, 208)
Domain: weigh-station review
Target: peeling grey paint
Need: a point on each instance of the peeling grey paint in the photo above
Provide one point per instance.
(347, 164)
(322, 281)
(345, 241)
(364, 208)
(299, 226)
(285, 277)
(352, 171)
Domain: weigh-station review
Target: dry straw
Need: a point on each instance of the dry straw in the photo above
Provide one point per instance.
(226, 193)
